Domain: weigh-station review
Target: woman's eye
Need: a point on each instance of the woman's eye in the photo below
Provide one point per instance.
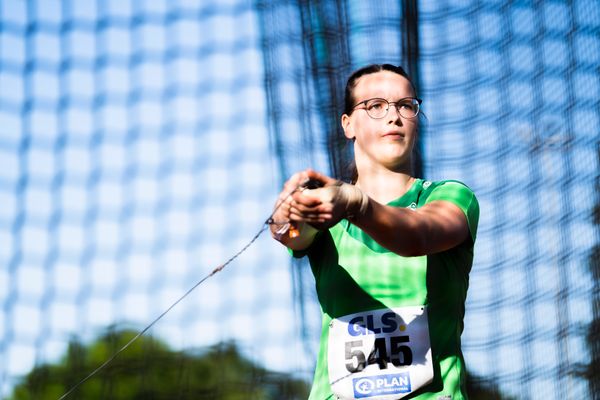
(376, 106)
(407, 106)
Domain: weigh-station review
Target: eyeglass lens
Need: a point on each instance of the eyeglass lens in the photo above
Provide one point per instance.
(378, 108)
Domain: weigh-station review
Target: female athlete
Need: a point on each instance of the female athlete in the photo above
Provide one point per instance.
(390, 252)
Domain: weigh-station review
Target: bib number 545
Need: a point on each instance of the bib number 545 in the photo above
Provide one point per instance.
(399, 354)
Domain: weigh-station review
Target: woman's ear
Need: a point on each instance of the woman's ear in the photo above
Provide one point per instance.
(347, 126)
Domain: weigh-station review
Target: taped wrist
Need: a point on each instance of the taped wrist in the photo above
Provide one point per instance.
(355, 199)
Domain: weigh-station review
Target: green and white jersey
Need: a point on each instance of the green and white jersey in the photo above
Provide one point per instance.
(391, 325)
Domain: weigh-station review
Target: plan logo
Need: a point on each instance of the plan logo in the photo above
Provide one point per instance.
(381, 385)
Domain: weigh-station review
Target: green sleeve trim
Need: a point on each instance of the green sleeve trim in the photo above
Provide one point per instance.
(459, 194)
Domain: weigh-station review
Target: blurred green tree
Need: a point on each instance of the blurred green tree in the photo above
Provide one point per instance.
(149, 370)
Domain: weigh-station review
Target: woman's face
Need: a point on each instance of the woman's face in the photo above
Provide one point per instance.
(388, 141)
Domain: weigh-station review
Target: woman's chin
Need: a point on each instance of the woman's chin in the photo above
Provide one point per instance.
(396, 158)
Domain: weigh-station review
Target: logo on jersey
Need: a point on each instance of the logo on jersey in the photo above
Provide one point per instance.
(381, 385)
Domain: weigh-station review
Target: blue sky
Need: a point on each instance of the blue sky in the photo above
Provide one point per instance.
(136, 157)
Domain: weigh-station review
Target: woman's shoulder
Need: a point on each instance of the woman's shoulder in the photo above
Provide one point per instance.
(442, 187)
(430, 184)
(457, 193)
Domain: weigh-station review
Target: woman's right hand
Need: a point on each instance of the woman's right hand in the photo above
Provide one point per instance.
(284, 220)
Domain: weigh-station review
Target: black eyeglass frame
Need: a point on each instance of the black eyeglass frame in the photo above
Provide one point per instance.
(389, 103)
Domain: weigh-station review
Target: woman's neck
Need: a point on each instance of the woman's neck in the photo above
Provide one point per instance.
(384, 185)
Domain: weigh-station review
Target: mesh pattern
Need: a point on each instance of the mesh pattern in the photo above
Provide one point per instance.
(511, 103)
(512, 98)
(134, 159)
(142, 144)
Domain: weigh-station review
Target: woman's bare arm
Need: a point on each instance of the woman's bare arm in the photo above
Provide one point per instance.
(435, 227)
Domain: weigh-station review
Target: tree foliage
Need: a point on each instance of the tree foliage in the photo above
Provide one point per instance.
(148, 369)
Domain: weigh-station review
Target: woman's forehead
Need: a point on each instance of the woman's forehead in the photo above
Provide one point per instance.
(384, 84)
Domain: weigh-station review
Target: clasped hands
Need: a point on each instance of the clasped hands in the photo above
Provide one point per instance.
(323, 207)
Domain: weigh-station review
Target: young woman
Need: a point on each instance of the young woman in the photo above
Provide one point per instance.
(390, 253)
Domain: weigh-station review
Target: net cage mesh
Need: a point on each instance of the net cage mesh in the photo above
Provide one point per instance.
(144, 143)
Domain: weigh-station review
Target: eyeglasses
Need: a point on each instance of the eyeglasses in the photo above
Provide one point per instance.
(377, 108)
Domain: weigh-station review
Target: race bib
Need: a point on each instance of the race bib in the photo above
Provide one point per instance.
(380, 355)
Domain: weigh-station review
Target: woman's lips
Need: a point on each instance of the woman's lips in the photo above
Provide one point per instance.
(394, 134)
